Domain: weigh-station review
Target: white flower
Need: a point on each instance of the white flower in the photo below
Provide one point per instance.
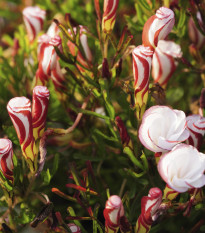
(162, 128)
(183, 168)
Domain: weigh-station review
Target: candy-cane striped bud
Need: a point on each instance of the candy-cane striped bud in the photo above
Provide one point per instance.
(33, 19)
(197, 38)
(158, 27)
(19, 109)
(6, 155)
(47, 59)
(109, 15)
(113, 211)
(149, 206)
(196, 127)
(142, 57)
(53, 30)
(39, 110)
(163, 63)
(86, 49)
(74, 228)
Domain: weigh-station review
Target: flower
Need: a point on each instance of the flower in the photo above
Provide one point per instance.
(149, 206)
(142, 57)
(163, 63)
(196, 127)
(33, 17)
(72, 47)
(6, 156)
(47, 58)
(158, 27)
(39, 110)
(19, 109)
(197, 38)
(109, 15)
(113, 211)
(183, 168)
(74, 228)
(162, 128)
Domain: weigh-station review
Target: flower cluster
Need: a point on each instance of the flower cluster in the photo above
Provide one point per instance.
(29, 126)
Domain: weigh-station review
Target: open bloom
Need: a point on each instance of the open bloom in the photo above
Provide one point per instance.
(109, 15)
(158, 27)
(6, 156)
(162, 128)
(197, 38)
(39, 110)
(113, 211)
(149, 206)
(196, 127)
(19, 109)
(163, 63)
(142, 57)
(33, 18)
(74, 228)
(183, 168)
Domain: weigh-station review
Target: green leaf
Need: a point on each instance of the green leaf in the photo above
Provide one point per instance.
(100, 133)
(132, 157)
(46, 176)
(182, 18)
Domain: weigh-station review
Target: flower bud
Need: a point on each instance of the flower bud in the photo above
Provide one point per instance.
(196, 127)
(162, 128)
(33, 18)
(39, 110)
(149, 206)
(197, 38)
(125, 138)
(6, 155)
(163, 63)
(113, 211)
(142, 57)
(58, 78)
(109, 15)
(74, 228)
(47, 58)
(158, 27)
(183, 168)
(19, 109)
(105, 69)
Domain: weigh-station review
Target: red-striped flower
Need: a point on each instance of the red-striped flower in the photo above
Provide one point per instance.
(19, 109)
(113, 211)
(196, 127)
(74, 228)
(197, 38)
(109, 15)
(142, 57)
(80, 58)
(6, 156)
(47, 58)
(33, 19)
(149, 206)
(163, 63)
(158, 27)
(39, 110)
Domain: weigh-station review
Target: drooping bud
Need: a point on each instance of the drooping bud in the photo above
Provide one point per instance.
(196, 127)
(33, 19)
(163, 63)
(105, 69)
(109, 15)
(142, 58)
(6, 155)
(19, 109)
(74, 228)
(113, 211)
(158, 27)
(39, 110)
(197, 38)
(125, 138)
(149, 206)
